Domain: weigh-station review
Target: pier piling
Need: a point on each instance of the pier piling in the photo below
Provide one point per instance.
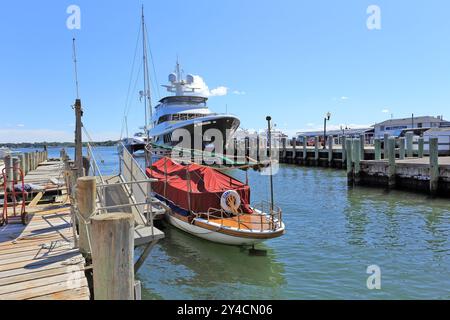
(434, 165)
(330, 150)
(421, 144)
(86, 194)
(402, 148)
(348, 147)
(362, 140)
(357, 160)
(113, 256)
(377, 143)
(305, 152)
(316, 150)
(344, 152)
(385, 146)
(294, 152)
(391, 168)
(409, 144)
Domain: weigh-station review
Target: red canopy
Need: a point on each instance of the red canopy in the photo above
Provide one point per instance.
(206, 185)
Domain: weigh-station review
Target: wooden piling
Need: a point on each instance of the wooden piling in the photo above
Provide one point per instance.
(283, 148)
(391, 168)
(348, 147)
(402, 148)
(421, 144)
(294, 150)
(8, 160)
(409, 144)
(377, 144)
(344, 152)
(316, 150)
(16, 166)
(434, 165)
(22, 163)
(330, 150)
(86, 194)
(112, 256)
(385, 146)
(362, 139)
(357, 160)
(305, 150)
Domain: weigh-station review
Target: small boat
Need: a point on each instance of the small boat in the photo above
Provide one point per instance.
(212, 205)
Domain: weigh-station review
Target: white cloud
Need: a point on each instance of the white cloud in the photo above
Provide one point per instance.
(219, 91)
(385, 110)
(21, 125)
(240, 93)
(203, 90)
(344, 98)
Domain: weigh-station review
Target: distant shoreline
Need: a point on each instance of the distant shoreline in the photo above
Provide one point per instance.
(108, 143)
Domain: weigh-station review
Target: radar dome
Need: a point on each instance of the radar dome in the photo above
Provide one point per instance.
(172, 77)
(190, 79)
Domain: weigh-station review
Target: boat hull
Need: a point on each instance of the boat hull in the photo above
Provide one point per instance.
(210, 235)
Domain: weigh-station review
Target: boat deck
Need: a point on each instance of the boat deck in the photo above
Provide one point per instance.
(244, 222)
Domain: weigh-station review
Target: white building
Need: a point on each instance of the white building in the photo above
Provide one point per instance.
(443, 135)
(394, 127)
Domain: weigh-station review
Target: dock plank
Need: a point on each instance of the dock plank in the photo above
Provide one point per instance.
(38, 261)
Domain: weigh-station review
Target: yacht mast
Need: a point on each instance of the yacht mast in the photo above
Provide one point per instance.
(146, 93)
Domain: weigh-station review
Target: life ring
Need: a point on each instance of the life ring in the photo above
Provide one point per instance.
(230, 201)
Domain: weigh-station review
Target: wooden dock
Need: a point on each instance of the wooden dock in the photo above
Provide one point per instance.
(39, 261)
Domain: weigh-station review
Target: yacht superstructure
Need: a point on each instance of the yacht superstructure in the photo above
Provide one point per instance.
(189, 111)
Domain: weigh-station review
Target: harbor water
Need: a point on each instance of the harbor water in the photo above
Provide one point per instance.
(333, 234)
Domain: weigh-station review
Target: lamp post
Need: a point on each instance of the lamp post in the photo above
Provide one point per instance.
(269, 137)
(325, 119)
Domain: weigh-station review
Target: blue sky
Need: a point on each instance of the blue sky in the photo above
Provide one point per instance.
(294, 60)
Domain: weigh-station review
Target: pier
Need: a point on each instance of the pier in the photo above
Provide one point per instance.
(75, 234)
(392, 163)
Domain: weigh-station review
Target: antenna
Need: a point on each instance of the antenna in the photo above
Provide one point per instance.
(75, 66)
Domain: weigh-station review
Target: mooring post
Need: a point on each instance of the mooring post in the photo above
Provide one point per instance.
(16, 166)
(8, 170)
(257, 148)
(22, 162)
(362, 139)
(377, 144)
(421, 144)
(357, 160)
(330, 150)
(434, 165)
(305, 149)
(409, 144)
(385, 146)
(247, 149)
(391, 167)
(86, 203)
(348, 148)
(401, 142)
(283, 149)
(343, 147)
(316, 150)
(113, 256)
(294, 150)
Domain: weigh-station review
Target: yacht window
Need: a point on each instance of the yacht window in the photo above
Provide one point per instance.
(186, 116)
(164, 118)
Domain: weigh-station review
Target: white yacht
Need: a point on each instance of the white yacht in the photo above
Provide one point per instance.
(135, 143)
(187, 110)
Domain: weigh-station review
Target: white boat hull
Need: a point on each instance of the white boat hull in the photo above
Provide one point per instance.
(211, 235)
